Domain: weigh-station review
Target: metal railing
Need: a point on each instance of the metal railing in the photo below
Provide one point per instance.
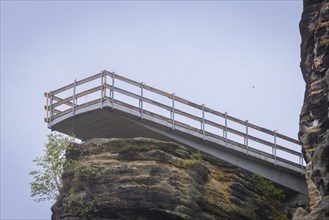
(68, 100)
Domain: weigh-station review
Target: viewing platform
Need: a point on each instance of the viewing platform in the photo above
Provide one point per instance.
(107, 105)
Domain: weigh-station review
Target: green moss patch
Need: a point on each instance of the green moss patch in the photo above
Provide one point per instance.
(78, 203)
(133, 148)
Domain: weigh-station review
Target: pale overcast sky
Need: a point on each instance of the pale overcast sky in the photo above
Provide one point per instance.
(211, 52)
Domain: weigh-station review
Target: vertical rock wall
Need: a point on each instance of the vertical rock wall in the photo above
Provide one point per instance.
(314, 120)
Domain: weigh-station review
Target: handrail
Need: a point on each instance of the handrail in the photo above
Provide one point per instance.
(70, 98)
(70, 86)
(53, 102)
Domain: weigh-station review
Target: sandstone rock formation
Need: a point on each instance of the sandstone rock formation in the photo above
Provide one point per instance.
(314, 120)
(149, 179)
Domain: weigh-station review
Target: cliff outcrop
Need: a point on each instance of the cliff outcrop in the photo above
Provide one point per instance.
(314, 120)
(150, 179)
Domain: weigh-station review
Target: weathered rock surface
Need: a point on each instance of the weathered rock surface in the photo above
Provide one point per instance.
(314, 120)
(150, 179)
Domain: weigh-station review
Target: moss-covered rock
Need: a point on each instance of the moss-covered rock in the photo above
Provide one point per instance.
(150, 179)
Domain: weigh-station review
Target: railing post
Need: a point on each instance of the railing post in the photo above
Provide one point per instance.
(274, 147)
(172, 115)
(202, 123)
(246, 137)
(112, 91)
(301, 162)
(102, 88)
(47, 106)
(74, 101)
(104, 84)
(51, 106)
(141, 100)
(225, 129)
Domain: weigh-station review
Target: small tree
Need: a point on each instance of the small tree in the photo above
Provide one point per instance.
(47, 180)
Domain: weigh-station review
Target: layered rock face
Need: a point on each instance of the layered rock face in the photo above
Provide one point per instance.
(150, 179)
(314, 120)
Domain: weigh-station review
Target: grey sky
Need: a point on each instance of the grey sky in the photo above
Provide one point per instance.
(208, 52)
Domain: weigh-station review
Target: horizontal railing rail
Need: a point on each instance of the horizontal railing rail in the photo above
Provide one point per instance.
(106, 88)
